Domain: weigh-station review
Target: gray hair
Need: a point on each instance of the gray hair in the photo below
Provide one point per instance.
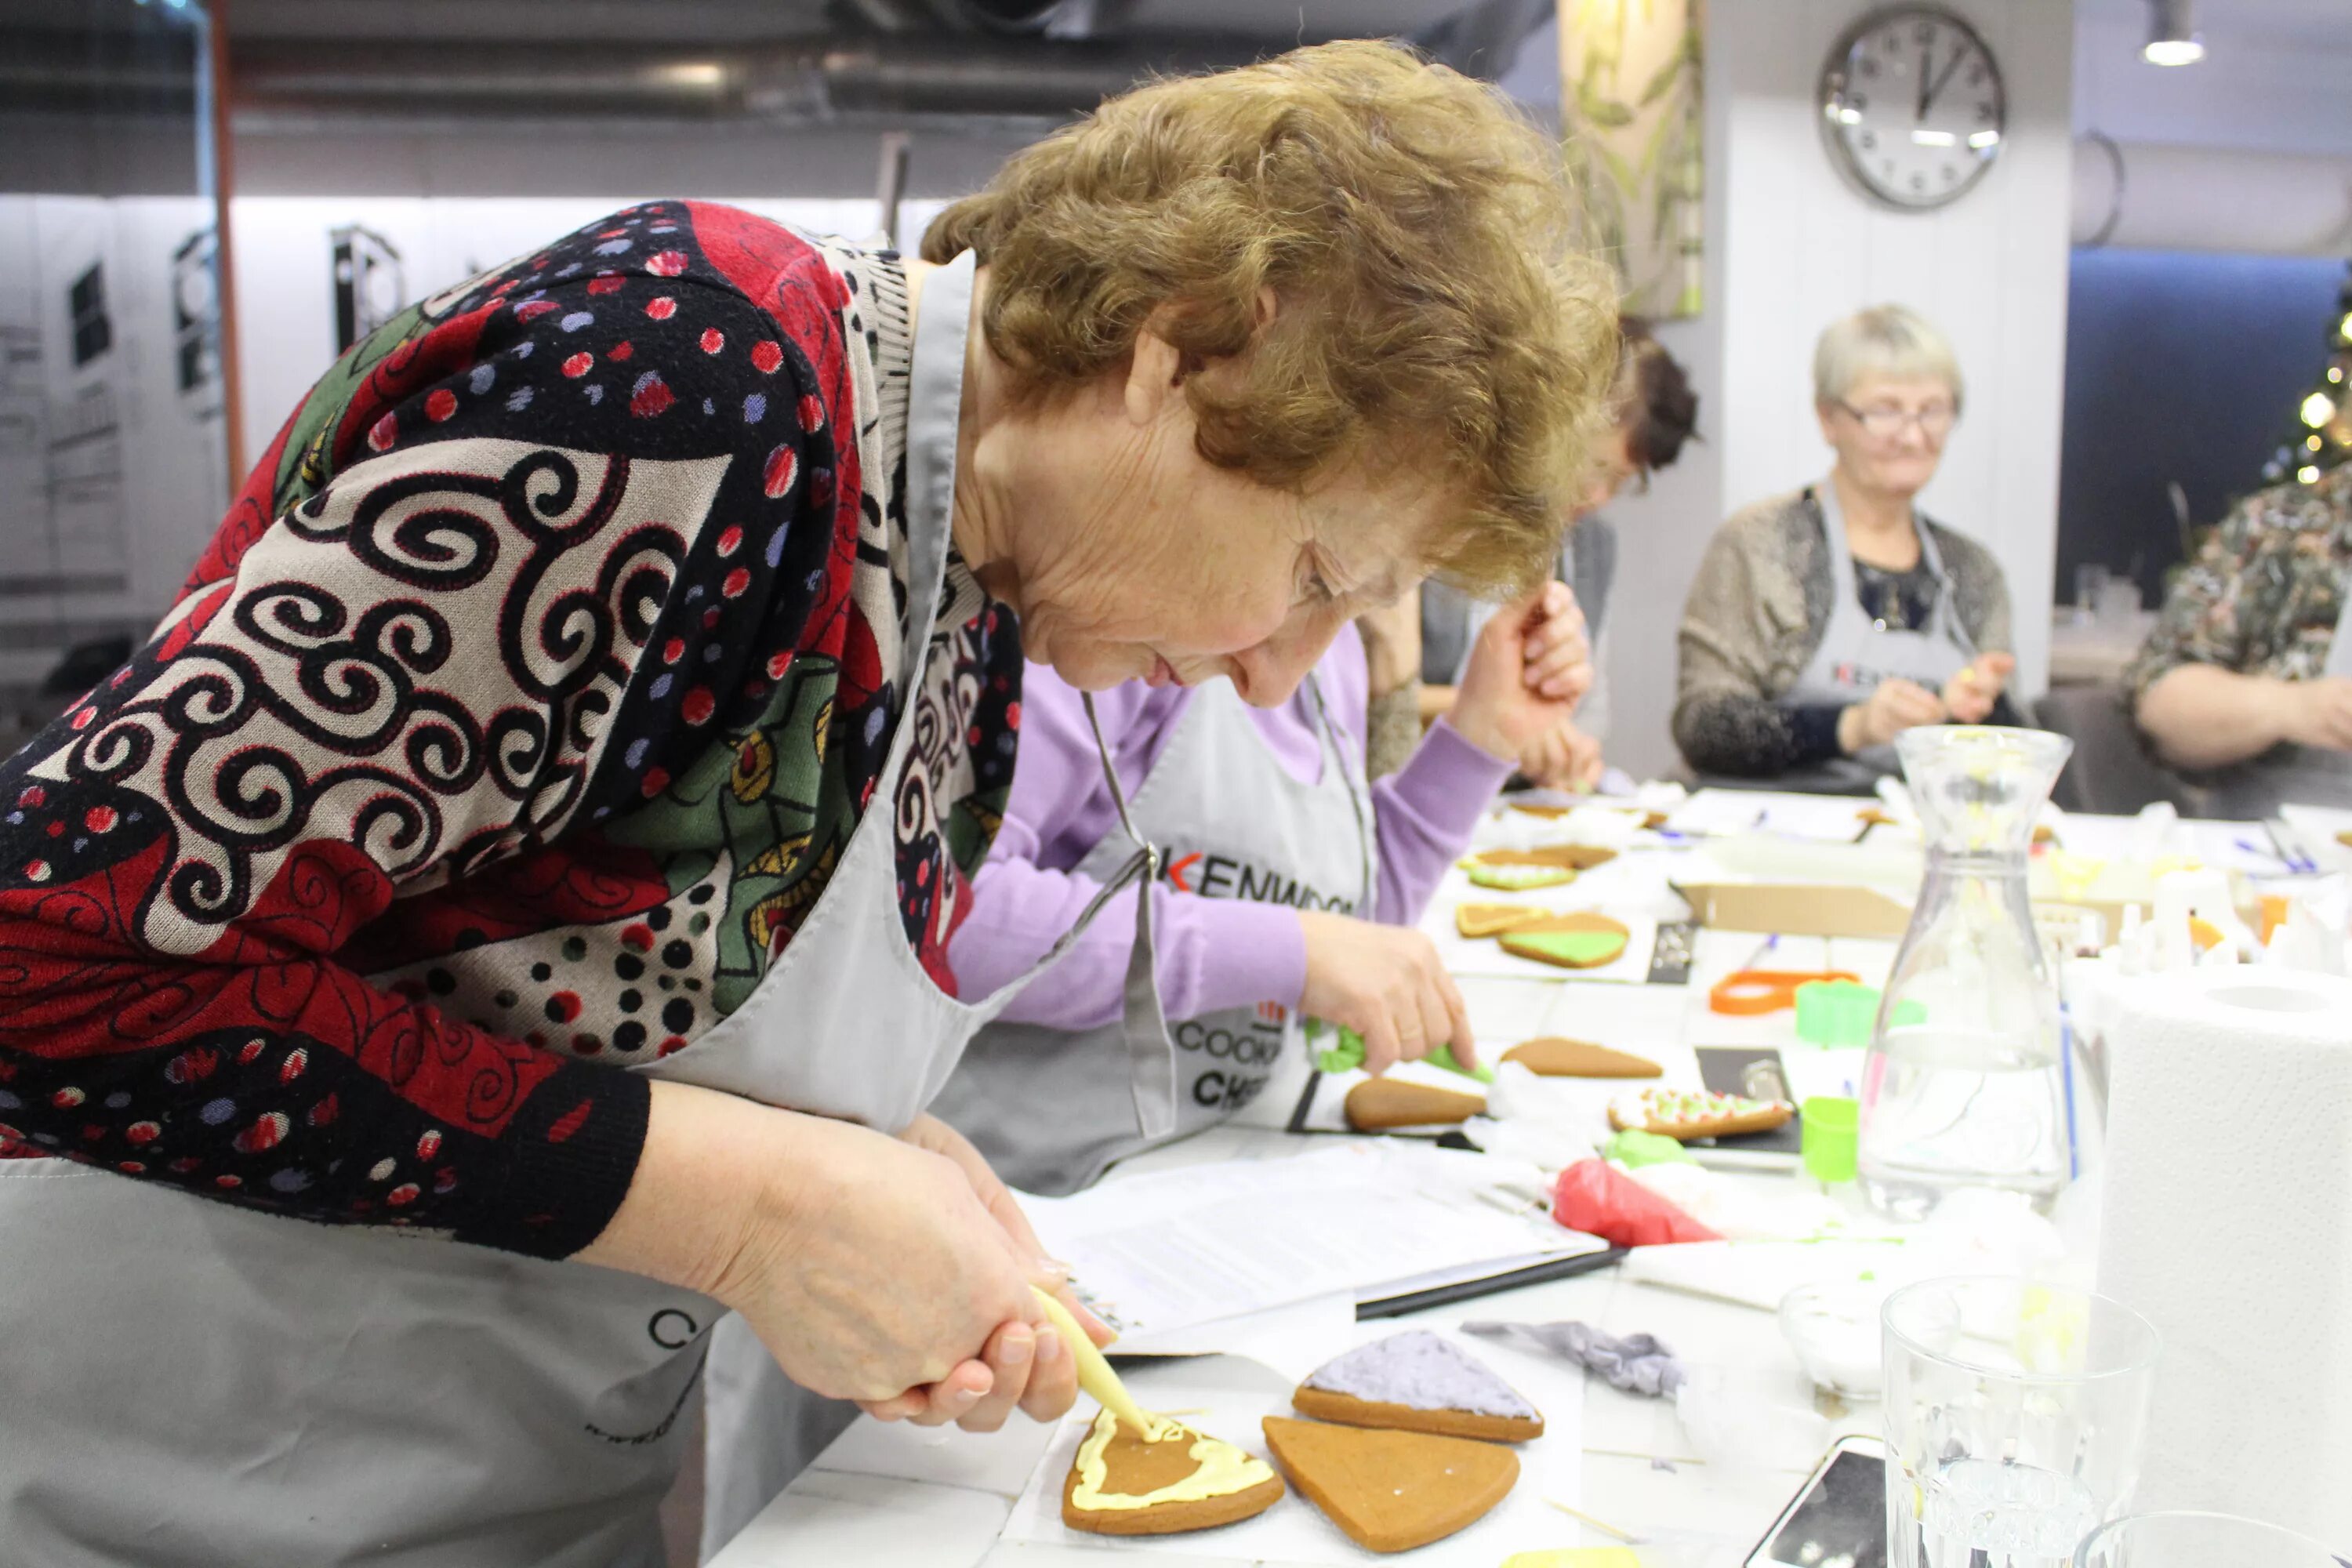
(1885, 340)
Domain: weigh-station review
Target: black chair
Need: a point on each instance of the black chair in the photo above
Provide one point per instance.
(2111, 772)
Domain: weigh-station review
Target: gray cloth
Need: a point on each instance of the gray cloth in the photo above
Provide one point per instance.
(1637, 1364)
(1588, 563)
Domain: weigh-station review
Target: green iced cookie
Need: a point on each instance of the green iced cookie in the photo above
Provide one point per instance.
(1519, 878)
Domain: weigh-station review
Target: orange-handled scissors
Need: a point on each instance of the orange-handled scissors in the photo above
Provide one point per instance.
(1748, 992)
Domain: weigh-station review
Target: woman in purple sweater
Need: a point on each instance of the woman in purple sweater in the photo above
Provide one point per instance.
(1287, 888)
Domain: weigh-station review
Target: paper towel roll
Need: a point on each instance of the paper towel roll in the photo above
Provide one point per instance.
(2228, 1221)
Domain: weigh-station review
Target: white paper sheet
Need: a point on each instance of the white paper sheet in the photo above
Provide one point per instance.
(1169, 1250)
(1232, 1395)
(1718, 812)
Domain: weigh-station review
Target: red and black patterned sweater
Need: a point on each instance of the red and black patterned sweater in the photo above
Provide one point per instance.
(509, 725)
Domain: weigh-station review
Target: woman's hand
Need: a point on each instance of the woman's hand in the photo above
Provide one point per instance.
(1528, 667)
(1970, 696)
(866, 1266)
(1392, 634)
(1030, 1368)
(2318, 712)
(1387, 984)
(1896, 705)
(1563, 758)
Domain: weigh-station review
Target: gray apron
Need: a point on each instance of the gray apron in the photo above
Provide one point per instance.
(1051, 1108)
(1857, 652)
(1046, 1105)
(189, 1383)
(2291, 775)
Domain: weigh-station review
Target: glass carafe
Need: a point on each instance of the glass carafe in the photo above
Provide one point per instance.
(1965, 1085)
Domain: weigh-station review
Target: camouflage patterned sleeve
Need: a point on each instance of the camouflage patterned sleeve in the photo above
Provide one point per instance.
(2202, 620)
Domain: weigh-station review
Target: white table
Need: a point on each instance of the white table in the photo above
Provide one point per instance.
(898, 1497)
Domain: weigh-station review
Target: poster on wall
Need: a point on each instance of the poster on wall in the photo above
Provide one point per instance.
(1631, 75)
(112, 467)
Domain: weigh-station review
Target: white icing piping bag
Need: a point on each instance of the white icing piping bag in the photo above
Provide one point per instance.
(1095, 1374)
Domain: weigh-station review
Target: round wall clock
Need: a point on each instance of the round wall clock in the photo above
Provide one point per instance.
(1912, 108)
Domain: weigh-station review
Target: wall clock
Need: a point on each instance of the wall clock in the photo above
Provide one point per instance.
(1912, 107)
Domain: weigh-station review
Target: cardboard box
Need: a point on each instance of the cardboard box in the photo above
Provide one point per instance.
(1790, 908)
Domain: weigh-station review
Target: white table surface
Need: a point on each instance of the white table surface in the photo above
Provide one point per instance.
(890, 1496)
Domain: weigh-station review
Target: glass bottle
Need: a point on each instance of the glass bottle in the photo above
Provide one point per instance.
(1965, 1085)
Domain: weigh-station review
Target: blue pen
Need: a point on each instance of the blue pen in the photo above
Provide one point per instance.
(2066, 1082)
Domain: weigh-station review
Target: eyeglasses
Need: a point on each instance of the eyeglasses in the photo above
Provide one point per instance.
(1935, 422)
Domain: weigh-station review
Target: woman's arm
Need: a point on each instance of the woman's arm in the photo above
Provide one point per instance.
(1724, 718)
(427, 641)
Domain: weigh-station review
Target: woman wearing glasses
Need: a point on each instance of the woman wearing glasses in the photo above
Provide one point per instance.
(1823, 624)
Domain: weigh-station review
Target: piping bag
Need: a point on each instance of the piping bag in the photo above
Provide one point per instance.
(1348, 1055)
(1095, 1374)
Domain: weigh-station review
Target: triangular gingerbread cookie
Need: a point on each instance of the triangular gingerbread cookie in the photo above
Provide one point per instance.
(1476, 920)
(1380, 1104)
(1392, 1491)
(1177, 1479)
(1418, 1382)
(1551, 1055)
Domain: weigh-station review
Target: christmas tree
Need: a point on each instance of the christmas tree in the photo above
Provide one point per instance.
(2323, 427)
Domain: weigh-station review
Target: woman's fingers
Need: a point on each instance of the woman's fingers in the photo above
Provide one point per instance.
(1010, 1356)
(1457, 1017)
(1054, 1382)
(1381, 1045)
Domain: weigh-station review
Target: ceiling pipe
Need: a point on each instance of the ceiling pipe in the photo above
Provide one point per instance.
(898, 77)
(2147, 197)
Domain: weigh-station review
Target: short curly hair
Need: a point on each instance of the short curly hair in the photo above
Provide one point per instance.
(1436, 304)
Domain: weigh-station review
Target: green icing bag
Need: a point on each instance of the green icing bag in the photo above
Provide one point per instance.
(1348, 1056)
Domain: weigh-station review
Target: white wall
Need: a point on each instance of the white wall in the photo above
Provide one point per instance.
(1791, 248)
(285, 287)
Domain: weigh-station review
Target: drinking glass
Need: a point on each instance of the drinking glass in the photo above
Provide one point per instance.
(2201, 1540)
(2090, 581)
(2015, 1417)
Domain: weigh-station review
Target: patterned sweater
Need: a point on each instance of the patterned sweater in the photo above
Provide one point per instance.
(508, 727)
(1757, 612)
(2264, 593)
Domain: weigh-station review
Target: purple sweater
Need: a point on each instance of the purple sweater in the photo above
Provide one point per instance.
(1213, 952)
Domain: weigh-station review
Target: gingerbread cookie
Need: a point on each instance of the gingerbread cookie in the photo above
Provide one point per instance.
(1174, 1479)
(1388, 1490)
(1518, 878)
(1570, 857)
(1382, 1104)
(1695, 1113)
(1418, 1382)
(1492, 920)
(1572, 941)
(1551, 1055)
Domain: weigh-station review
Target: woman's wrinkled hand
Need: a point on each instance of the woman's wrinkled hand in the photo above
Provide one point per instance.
(1528, 667)
(1970, 696)
(1563, 758)
(1388, 985)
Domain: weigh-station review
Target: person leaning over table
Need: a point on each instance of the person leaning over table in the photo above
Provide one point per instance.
(2246, 682)
(1303, 882)
(534, 838)
(1823, 624)
(1657, 413)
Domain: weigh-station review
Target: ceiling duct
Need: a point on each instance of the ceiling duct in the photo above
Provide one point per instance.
(898, 78)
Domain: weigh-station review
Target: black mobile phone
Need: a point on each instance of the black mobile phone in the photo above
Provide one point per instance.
(1839, 1517)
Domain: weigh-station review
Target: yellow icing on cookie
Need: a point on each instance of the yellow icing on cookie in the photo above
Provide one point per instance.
(1222, 1470)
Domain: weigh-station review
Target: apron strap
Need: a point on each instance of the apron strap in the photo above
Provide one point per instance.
(1143, 1025)
(1357, 783)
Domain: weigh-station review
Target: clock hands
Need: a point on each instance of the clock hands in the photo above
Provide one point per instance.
(1927, 97)
(1926, 52)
